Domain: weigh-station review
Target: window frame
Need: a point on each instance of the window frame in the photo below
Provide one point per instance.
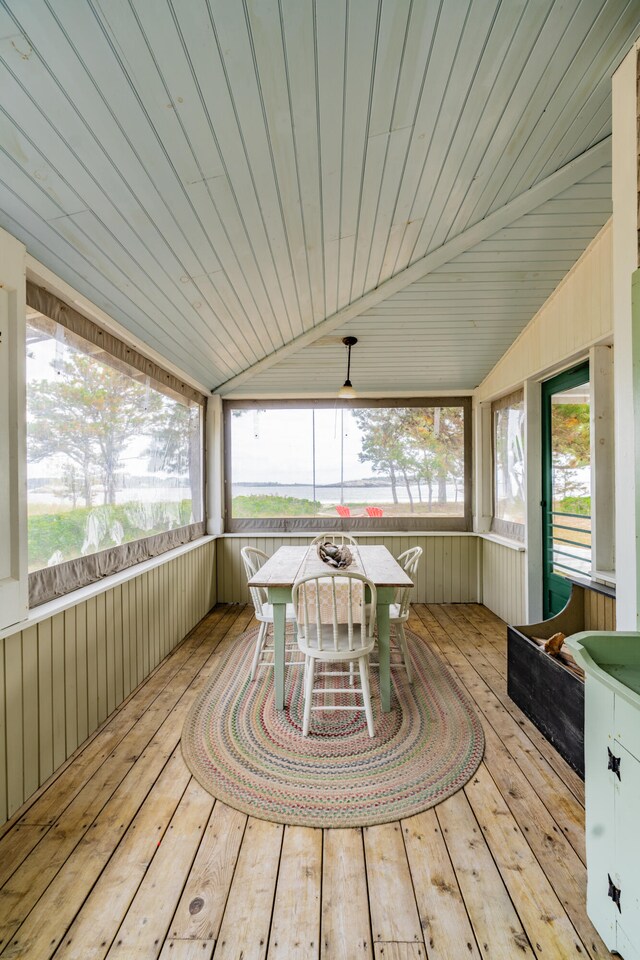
(58, 580)
(301, 525)
(505, 528)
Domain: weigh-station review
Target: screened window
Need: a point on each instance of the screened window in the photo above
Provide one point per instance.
(508, 466)
(366, 464)
(113, 457)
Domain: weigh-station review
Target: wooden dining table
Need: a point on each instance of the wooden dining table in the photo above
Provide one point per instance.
(279, 573)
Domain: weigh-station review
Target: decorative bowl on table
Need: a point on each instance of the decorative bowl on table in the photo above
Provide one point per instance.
(335, 555)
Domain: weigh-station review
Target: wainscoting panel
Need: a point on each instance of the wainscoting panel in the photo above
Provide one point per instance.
(503, 573)
(448, 571)
(599, 611)
(60, 679)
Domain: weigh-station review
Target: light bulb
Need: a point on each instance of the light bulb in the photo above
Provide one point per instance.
(346, 391)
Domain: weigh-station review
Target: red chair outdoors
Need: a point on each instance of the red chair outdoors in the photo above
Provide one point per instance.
(343, 511)
(374, 511)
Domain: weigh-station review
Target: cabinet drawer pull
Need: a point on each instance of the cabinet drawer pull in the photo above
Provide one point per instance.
(614, 763)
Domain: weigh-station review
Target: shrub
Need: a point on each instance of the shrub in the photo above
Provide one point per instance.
(581, 505)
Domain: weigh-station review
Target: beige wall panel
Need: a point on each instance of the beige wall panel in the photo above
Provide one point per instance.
(70, 682)
(143, 626)
(101, 656)
(126, 641)
(31, 773)
(180, 579)
(158, 586)
(590, 610)
(92, 663)
(82, 675)
(148, 620)
(151, 631)
(447, 571)
(61, 677)
(210, 574)
(45, 702)
(13, 671)
(129, 609)
(134, 629)
(118, 635)
(58, 706)
(599, 611)
(143, 666)
(576, 315)
(110, 649)
(172, 631)
(169, 634)
(503, 572)
(164, 643)
(158, 606)
(610, 614)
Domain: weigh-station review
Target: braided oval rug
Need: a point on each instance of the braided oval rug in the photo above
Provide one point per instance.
(255, 758)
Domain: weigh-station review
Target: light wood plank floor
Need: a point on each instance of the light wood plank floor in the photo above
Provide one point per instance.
(123, 855)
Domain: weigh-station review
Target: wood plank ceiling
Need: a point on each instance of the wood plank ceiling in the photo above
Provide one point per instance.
(222, 176)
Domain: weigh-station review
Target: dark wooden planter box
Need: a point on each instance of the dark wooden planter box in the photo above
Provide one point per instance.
(549, 694)
(544, 689)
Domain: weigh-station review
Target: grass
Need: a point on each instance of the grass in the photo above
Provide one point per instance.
(69, 533)
(270, 505)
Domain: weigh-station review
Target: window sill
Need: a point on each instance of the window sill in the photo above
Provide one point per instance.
(607, 577)
(516, 545)
(297, 534)
(52, 607)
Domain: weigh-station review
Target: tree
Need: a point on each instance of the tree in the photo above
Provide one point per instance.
(416, 443)
(571, 443)
(57, 425)
(437, 437)
(88, 413)
(175, 445)
(381, 443)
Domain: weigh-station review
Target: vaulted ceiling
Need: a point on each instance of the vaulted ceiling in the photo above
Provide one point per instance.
(240, 183)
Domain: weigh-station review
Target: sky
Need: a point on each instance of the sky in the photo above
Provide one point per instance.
(276, 446)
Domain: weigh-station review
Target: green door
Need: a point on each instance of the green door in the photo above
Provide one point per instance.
(566, 484)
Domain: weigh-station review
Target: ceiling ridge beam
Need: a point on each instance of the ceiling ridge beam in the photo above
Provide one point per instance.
(574, 171)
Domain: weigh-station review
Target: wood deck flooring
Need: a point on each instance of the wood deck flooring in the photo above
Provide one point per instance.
(124, 855)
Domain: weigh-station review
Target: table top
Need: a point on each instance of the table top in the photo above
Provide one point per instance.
(376, 563)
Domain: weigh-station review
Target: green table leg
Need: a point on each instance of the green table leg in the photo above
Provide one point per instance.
(279, 597)
(382, 615)
(278, 643)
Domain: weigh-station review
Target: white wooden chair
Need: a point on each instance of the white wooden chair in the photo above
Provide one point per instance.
(253, 559)
(399, 609)
(324, 637)
(340, 538)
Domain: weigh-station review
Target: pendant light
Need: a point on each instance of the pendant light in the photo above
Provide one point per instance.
(346, 391)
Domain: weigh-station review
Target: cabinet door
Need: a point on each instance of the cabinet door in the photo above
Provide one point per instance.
(627, 726)
(627, 845)
(600, 813)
